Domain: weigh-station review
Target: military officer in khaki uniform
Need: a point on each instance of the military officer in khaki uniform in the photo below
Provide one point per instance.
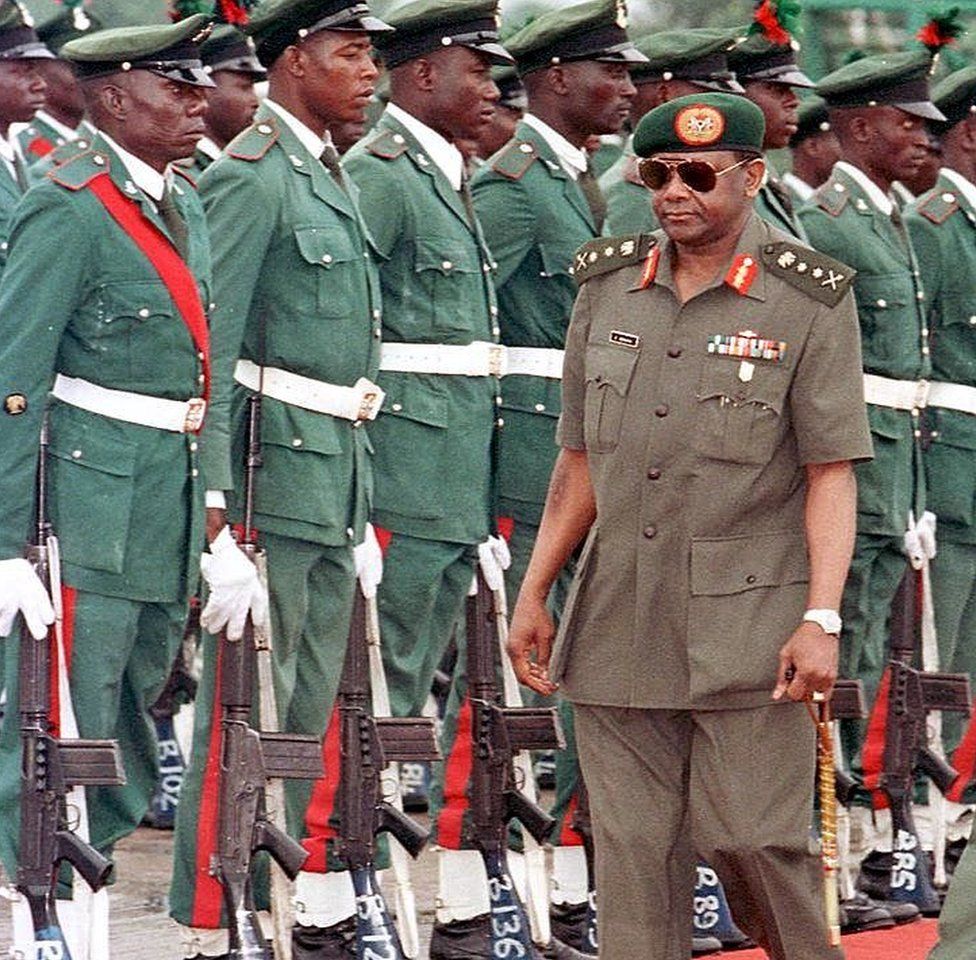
(706, 460)
(679, 62)
(296, 318)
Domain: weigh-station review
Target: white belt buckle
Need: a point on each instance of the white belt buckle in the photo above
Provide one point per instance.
(369, 405)
(196, 409)
(921, 399)
(497, 360)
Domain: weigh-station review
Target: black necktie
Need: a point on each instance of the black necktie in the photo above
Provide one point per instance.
(330, 160)
(467, 199)
(595, 199)
(175, 223)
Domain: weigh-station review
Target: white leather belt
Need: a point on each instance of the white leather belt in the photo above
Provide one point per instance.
(178, 416)
(953, 396)
(536, 362)
(478, 359)
(896, 394)
(359, 402)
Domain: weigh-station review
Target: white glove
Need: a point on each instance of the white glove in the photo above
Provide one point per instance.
(919, 541)
(495, 559)
(235, 590)
(21, 591)
(368, 558)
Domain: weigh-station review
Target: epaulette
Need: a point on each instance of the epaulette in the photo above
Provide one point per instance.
(606, 254)
(514, 160)
(183, 172)
(832, 197)
(254, 142)
(388, 145)
(80, 170)
(67, 151)
(820, 277)
(939, 206)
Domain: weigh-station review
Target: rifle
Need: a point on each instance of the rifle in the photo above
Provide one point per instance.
(50, 766)
(249, 758)
(368, 745)
(906, 696)
(498, 733)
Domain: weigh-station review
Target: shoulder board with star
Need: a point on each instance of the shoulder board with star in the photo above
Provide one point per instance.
(939, 206)
(389, 145)
(832, 197)
(513, 161)
(820, 277)
(254, 142)
(607, 254)
(80, 170)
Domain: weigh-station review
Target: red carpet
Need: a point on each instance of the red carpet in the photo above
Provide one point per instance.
(911, 942)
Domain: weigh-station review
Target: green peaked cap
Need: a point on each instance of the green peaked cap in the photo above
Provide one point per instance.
(701, 122)
(699, 55)
(955, 95)
(18, 40)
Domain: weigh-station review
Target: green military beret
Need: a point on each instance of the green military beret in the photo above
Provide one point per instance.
(228, 49)
(955, 95)
(813, 117)
(18, 41)
(592, 30)
(422, 26)
(65, 26)
(168, 50)
(698, 56)
(700, 122)
(890, 79)
(276, 25)
(759, 59)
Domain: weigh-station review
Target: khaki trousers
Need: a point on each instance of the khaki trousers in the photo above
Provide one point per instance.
(733, 788)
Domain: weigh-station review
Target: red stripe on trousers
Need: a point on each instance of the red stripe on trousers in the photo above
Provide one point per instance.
(568, 837)
(318, 830)
(872, 753)
(457, 773)
(964, 762)
(68, 597)
(207, 892)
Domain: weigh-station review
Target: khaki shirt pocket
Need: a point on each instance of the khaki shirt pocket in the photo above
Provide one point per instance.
(338, 267)
(748, 595)
(609, 372)
(740, 421)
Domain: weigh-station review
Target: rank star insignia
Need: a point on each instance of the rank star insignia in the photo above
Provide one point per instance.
(699, 125)
(817, 273)
(15, 404)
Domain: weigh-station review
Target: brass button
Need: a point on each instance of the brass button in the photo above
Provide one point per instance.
(662, 411)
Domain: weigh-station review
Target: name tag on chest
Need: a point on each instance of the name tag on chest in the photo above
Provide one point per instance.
(621, 338)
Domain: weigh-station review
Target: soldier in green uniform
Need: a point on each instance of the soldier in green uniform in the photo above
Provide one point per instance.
(814, 150)
(56, 123)
(942, 225)
(879, 107)
(679, 62)
(296, 319)
(228, 56)
(121, 368)
(537, 202)
(766, 67)
(711, 407)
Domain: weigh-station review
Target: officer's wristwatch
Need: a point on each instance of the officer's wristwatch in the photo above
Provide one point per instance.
(828, 620)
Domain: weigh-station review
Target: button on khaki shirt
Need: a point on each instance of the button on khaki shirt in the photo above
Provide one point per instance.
(697, 421)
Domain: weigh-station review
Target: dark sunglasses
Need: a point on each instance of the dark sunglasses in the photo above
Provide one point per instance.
(698, 175)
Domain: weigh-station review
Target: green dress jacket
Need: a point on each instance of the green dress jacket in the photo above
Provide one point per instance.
(10, 194)
(39, 138)
(535, 217)
(296, 289)
(435, 436)
(775, 205)
(126, 500)
(629, 207)
(842, 221)
(942, 224)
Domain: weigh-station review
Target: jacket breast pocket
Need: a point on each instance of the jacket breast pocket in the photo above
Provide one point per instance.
(609, 373)
(882, 303)
(950, 467)
(337, 265)
(740, 421)
(450, 282)
(90, 490)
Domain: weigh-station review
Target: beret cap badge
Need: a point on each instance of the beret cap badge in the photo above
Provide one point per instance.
(699, 125)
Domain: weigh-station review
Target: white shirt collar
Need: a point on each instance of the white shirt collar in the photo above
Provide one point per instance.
(966, 187)
(313, 142)
(149, 181)
(572, 159)
(8, 148)
(64, 132)
(442, 152)
(875, 194)
(800, 187)
(209, 149)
